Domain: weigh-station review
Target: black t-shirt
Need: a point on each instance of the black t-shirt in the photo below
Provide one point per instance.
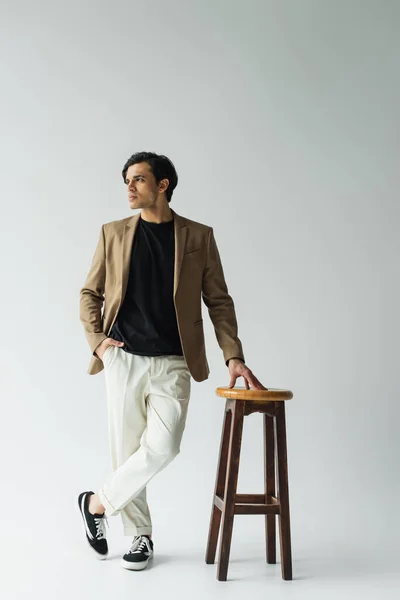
(146, 320)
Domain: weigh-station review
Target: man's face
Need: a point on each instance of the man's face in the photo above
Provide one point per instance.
(143, 190)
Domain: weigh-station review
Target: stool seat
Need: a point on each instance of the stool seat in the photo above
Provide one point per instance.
(242, 393)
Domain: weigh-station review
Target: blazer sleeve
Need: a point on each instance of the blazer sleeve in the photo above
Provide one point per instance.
(92, 296)
(219, 303)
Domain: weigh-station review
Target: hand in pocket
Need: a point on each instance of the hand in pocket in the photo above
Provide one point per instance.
(101, 348)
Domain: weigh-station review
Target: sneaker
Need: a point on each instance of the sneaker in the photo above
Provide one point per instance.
(95, 528)
(139, 554)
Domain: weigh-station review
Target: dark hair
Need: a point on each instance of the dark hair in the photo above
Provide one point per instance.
(160, 166)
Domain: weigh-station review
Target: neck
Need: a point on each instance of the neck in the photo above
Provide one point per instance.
(157, 214)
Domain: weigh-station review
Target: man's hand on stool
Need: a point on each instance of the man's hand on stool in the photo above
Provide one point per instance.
(237, 368)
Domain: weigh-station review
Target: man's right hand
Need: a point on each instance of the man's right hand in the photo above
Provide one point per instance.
(102, 347)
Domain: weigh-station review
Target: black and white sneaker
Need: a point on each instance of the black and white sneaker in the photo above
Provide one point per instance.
(95, 528)
(139, 554)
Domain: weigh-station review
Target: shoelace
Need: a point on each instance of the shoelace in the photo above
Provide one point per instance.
(100, 527)
(138, 544)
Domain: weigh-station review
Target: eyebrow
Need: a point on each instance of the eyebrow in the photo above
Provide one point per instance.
(134, 177)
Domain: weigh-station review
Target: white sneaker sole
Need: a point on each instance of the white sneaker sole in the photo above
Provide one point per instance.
(135, 566)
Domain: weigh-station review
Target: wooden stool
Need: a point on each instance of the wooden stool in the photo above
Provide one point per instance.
(226, 502)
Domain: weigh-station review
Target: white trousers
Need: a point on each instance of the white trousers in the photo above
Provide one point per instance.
(147, 398)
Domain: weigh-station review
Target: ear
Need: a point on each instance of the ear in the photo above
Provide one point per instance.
(164, 183)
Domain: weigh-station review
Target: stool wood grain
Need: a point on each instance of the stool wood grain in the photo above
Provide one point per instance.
(241, 402)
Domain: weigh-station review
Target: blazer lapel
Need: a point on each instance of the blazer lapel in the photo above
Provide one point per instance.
(180, 233)
(127, 243)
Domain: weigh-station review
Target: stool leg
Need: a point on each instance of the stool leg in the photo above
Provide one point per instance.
(228, 512)
(215, 519)
(283, 496)
(269, 469)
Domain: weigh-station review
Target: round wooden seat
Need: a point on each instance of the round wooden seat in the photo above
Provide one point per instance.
(241, 393)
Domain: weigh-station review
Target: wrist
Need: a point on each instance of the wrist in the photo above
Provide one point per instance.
(235, 358)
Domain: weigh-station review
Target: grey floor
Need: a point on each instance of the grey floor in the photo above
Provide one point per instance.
(63, 567)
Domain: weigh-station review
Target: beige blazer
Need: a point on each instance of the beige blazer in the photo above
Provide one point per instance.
(198, 274)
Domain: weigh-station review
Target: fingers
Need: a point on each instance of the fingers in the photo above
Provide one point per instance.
(260, 386)
(250, 380)
(232, 381)
(255, 383)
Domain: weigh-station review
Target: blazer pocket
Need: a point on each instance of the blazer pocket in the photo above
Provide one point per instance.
(192, 252)
(198, 322)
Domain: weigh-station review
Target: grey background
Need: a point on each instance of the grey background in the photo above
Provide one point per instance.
(282, 120)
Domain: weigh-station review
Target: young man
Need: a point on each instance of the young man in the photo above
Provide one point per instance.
(151, 272)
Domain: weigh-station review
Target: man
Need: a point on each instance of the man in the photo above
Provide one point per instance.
(151, 272)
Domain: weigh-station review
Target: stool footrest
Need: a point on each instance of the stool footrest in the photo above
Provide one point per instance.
(251, 504)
